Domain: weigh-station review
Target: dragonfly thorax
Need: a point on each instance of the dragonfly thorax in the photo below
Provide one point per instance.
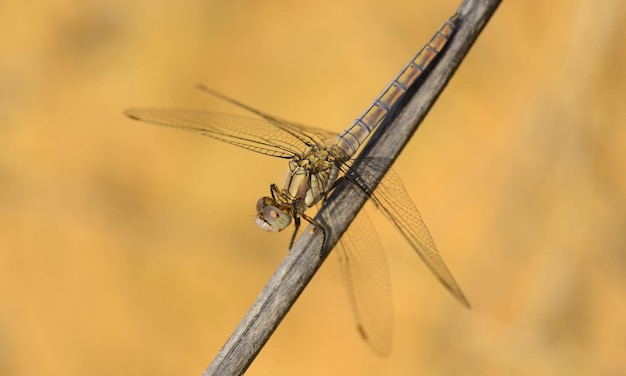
(308, 179)
(310, 176)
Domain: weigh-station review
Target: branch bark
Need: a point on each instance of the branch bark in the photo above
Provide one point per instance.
(303, 260)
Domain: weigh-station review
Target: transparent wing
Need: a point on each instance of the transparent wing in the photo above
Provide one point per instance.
(256, 135)
(366, 276)
(307, 135)
(268, 135)
(394, 202)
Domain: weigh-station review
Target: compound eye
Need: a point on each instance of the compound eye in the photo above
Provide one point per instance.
(277, 218)
(269, 217)
(260, 205)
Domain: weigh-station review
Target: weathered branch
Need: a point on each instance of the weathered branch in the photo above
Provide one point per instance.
(304, 259)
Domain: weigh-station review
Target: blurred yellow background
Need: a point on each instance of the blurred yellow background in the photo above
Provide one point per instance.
(130, 249)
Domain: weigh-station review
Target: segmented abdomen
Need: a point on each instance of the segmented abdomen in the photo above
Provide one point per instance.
(353, 137)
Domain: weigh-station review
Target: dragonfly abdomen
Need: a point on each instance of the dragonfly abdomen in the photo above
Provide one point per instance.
(353, 137)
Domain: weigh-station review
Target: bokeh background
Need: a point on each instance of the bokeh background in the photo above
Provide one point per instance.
(129, 249)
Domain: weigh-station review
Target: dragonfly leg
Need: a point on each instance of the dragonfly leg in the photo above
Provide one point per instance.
(340, 179)
(274, 191)
(321, 228)
(296, 223)
(358, 182)
(327, 192)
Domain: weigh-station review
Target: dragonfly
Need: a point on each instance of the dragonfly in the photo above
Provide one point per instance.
(318, 159)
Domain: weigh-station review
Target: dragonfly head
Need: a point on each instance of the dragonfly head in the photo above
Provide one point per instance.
(271, 216)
